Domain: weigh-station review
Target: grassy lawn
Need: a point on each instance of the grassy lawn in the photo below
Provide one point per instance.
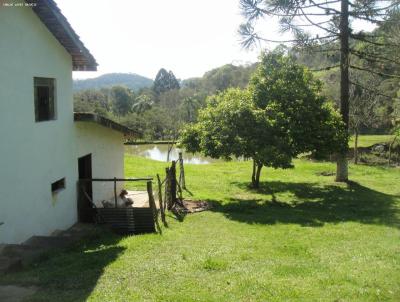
(301, 237)
(369, 140)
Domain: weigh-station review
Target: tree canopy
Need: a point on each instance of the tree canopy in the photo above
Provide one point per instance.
(281, 115)
(165, 81)
(122, 99)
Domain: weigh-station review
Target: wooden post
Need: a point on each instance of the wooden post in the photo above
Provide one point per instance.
(160, 201)
(172, 178)
(181, 172)
(153, 205)
(166, 189)
(115, 191)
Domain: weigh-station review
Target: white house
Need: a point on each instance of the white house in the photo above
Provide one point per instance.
(44, 147)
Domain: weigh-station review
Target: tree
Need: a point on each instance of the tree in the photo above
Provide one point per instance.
(331, 20)
(229, 126)
(189, 108)
(165, 81)
(121, 100)
(92, 100)
(280, 116)
(143, 103)
(221, 78)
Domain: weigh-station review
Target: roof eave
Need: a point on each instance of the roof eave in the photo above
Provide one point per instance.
(51, 16)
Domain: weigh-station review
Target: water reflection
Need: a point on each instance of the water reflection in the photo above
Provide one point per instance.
(160, 153)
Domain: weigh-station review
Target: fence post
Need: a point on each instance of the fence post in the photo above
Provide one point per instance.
(153, 205)
(160, 201)
(172, 179)
(166, 189)
(181, 172)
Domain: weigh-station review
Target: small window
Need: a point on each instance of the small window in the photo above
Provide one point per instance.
(44, 89)
(58, 186)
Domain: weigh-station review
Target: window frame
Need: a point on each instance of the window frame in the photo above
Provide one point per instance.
(51, 84)
(58, 186)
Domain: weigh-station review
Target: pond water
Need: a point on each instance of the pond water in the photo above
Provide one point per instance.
(160, 153)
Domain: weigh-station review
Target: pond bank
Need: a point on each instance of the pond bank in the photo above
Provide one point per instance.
(160, 152)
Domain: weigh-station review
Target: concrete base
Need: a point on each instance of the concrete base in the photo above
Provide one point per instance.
(14, 256)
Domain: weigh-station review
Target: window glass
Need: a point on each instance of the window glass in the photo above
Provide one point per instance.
(44, 89)
(58, 185)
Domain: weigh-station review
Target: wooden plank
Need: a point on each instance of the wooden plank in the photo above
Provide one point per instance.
(129, 220)
(116, 179)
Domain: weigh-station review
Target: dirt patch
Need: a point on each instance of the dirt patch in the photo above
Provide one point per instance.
(12, 293)
(194, 206)
(326, 173)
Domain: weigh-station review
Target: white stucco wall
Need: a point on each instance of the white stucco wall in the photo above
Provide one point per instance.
(35, 154)
(107, 150)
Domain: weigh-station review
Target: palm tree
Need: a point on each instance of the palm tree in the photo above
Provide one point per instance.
(143, 103)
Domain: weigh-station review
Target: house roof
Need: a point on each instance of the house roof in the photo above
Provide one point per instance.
(94, 118)
(51, 16)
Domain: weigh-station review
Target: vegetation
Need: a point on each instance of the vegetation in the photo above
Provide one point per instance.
(164, 113)
(157, 113)
(281, 116)
(222, 78)
(165, 81)
(395, 139)
(333, 21)
(160, 111)
(300, 237)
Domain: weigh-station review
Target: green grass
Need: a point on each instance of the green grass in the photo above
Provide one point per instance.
(301, 237)
(369, 140)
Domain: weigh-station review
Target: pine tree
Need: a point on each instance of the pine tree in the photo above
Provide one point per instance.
(332, 18)
(165, 81)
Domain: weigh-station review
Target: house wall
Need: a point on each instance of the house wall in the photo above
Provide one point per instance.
(35, 154)
(107, 150)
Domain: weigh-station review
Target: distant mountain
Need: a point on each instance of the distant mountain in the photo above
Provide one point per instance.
(130, 80)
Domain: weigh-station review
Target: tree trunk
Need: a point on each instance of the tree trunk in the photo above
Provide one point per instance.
(342, 168)
(342, 165)
(253, 175)
(255, 180)
(356, 146)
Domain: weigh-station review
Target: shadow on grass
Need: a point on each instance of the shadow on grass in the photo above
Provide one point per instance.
(309, 204)
(71, 274)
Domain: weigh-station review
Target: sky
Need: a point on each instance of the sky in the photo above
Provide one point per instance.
(188, 37)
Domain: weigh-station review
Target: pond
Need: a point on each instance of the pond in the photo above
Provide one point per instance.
(160, 153)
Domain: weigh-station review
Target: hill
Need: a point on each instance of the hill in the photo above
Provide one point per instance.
(130, 80)
(221, 78)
